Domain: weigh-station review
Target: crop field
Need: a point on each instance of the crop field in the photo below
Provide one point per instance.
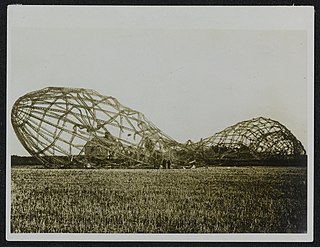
(204, 200)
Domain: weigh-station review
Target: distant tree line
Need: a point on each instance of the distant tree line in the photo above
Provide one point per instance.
(288, 161)
(24, 160)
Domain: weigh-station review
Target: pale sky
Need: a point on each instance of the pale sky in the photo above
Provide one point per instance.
(191, 71)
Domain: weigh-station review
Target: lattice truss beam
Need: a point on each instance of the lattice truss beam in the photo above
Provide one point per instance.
(66, 126)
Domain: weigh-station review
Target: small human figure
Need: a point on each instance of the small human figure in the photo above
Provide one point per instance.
(164, 163)
(168, 164)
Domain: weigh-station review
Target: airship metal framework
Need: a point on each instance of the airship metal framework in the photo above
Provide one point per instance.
(72, 126)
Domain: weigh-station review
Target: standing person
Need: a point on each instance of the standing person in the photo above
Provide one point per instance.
(164, 163)
(168, 164)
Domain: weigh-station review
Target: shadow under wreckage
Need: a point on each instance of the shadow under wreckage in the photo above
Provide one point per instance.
(75, 127)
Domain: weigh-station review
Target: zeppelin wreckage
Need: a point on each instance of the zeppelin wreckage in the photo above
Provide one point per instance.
(71, 127)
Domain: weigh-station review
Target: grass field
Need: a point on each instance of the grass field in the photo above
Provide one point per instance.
(213, 200)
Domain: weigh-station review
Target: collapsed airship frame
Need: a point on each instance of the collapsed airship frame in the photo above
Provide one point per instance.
(65, 127)
(255, 139)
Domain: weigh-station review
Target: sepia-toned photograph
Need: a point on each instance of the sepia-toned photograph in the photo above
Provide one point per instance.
(160, 123)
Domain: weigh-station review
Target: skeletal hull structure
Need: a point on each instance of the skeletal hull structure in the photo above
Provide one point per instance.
(65, 126)
(258, 138)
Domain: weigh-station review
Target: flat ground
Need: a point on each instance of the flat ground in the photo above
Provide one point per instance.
(212, 200)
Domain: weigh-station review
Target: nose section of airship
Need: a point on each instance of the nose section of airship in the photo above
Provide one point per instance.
(20, 112)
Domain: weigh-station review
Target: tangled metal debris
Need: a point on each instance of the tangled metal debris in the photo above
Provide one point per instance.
(64, 127)
(258, 138)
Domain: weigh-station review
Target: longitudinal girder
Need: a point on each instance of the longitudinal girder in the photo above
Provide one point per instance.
(72, 126)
